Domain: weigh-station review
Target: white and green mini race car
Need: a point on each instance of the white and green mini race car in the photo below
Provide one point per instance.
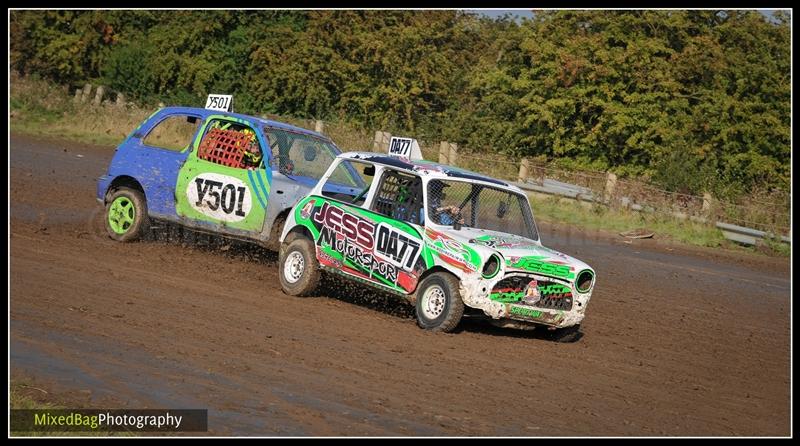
(445, 238)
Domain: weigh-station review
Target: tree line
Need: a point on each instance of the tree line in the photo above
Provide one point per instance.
(695, 100)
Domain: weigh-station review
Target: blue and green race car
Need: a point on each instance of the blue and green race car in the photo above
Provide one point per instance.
(226, 173)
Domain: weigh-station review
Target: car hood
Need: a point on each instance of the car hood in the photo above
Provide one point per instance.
(513, 247)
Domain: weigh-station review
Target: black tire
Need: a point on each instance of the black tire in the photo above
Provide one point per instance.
(442, 312)
(305, 282)
(126, 217)
(568, 334)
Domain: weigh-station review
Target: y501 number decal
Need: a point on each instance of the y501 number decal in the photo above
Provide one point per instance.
(220, 197)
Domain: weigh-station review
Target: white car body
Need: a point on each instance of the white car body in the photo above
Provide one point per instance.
(532, 284)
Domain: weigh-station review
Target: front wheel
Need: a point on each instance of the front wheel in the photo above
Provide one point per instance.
(126, 215)
(299, 269)
(439, 304)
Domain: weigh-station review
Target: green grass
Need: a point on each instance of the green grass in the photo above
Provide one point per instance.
(40, 108)
(26, 396)
(556, 210)
(776, 248)
(75, 135)
(21, 397)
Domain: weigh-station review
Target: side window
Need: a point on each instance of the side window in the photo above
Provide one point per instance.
(300, 154)
(349, 182)
(400, 197)
(174, 133)
(230, 144)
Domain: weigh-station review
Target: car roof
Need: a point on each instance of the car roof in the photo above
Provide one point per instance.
(204, 113)
(432, 169)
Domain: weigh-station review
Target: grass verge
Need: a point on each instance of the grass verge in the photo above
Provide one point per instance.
(564, 211)
(40, 108)
(26, 396)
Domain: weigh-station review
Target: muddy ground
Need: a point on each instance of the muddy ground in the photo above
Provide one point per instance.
(677, 342)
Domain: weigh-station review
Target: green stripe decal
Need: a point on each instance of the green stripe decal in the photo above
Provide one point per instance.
(264, 188)
(255, 189)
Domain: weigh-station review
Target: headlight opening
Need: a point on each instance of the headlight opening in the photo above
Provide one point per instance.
(584, 281)
(491, 267)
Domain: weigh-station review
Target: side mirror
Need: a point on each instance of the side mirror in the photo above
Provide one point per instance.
(191, 119)
(369, 171)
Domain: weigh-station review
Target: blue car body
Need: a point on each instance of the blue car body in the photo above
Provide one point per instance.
(274, 186)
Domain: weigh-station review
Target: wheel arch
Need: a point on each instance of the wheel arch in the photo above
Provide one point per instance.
(274, 240)
(299, 230)
(433, 270)
(124, 181)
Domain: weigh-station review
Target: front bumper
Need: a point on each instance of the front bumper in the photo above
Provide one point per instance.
(505, 298)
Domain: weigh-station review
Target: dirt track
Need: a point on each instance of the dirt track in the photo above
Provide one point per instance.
(677, 342)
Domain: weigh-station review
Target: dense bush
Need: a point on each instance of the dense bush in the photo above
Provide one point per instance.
(696, 100)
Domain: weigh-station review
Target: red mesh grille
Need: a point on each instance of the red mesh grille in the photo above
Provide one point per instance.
(224, 147)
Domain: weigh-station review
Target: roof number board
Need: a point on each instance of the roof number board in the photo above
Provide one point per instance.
(406, 148)
(220, 102)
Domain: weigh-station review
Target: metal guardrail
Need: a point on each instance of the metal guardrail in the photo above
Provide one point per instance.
(732, 232)
(746, 235)
(574, 192)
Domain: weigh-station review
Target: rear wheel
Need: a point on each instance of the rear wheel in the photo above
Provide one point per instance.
(439, 304)
(299, 269)
(126, 215)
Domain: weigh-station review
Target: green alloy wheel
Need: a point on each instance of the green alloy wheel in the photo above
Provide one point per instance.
(121, 215)
(126, 215)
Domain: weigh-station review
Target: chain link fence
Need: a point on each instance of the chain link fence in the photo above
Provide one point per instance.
(770, 213)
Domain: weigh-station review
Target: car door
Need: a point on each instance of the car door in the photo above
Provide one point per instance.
(224, 185)
(397, 209)
(371, 234)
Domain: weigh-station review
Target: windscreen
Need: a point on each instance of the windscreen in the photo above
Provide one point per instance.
(479, 206)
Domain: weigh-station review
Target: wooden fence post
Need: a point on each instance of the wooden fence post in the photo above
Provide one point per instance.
(453, 159)
(444, 152)
(98, 96)
(707, 202)
(381, 141)
(87, 90)
(523, 170)
(387, 138)
(611, 184)
(319, 126)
